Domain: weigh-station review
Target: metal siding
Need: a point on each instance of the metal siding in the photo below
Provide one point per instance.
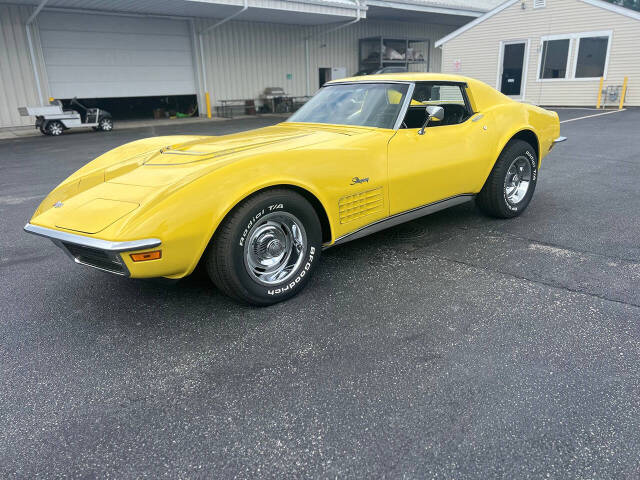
(478, 49)
(265, 53)
(17, 83)
(243, 58)
(113, 56)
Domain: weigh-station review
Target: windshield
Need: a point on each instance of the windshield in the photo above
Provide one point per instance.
(362, 104)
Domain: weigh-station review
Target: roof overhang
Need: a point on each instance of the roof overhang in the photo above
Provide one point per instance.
(404, 11)
(627, 12)
(425, 7)
(297, 12)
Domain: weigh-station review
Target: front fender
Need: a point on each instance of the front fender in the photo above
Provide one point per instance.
(187, 218)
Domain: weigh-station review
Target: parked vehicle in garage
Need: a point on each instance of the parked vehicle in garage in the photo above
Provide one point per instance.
(53, 119)
(258, 207)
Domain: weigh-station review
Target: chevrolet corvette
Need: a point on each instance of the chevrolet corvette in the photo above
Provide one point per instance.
(257, 208)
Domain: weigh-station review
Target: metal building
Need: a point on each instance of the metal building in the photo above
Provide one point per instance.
(230, 49)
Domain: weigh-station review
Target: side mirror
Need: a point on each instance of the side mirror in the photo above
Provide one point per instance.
(433, 113)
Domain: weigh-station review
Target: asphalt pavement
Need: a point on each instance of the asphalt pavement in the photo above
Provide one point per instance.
(454, 346)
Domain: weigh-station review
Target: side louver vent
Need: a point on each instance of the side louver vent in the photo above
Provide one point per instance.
(361, 204)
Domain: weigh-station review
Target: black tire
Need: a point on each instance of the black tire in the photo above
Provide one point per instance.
(105, 124)
(494, 198)
(54, 128)
(238, 242)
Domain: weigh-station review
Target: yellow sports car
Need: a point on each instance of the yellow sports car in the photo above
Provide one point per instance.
(258, 207)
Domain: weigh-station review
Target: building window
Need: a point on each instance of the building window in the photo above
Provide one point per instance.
(538, 3)
(554, 60)
(584, 59)
(592, 57)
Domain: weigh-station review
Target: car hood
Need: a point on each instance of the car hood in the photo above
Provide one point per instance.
(170, 159)
(125, 179)
(215, 148)
(278, 137)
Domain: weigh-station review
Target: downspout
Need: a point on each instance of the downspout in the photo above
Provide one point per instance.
(306, 42)
(307, 66)
(225, 20)
(32, 54)
(204, 70)
(196, 59)
(202, 63)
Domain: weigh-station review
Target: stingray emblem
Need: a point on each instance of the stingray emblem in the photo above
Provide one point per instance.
(356, 180)
(57, 204)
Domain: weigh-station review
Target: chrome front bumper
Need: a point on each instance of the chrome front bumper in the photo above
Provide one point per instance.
(93, 252)
(556, 141)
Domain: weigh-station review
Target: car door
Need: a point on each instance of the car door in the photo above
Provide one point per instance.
(449, 159)
(353, 172)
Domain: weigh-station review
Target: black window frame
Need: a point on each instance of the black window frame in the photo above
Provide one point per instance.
(463, 90)
(543, 56)
(594, 35)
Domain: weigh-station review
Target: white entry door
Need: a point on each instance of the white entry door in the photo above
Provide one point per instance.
(512, 68)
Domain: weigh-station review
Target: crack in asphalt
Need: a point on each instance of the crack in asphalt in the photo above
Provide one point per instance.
(467, 228)
(563, 247)
(21, 260)
(538, 282)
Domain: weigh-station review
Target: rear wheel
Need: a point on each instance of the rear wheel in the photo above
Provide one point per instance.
(511, 183)
(54, 128)
(266, 249)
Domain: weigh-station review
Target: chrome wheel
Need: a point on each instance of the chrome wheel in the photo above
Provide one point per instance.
(55, 129)
(517, 180)
(106, 125)
(275, 248)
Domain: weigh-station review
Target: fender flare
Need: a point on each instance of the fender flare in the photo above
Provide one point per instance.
(305, 190)
(504, 141)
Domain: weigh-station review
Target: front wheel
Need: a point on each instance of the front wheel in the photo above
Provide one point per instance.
(54, 128)
(266, 249)
(105, 125)
(511, 183)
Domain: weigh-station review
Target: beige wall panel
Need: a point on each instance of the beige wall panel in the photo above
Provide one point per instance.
(478, 49)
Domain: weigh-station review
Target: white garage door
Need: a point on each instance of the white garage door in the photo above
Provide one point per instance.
(100, 56)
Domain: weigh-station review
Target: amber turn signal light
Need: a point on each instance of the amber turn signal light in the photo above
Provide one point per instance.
(143, 257)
